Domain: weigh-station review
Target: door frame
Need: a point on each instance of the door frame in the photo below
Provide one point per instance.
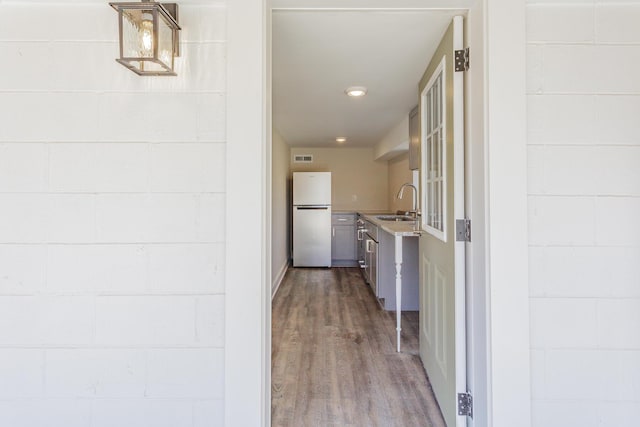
(501, 280)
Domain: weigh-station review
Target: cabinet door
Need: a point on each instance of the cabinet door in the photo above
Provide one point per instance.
(343, 243)
(373, 267)
(367, 258)
(360, 252)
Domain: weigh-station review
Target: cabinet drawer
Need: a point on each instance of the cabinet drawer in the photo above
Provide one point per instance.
(343, 219)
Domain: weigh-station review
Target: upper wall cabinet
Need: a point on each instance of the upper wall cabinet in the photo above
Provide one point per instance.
(414, 139)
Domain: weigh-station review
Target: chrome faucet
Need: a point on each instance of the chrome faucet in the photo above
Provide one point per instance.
(414, 211)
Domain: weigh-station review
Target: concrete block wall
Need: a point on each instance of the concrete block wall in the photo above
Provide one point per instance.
(584, 204)
(111, 222)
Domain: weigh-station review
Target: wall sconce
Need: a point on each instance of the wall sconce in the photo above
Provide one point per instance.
(149, 37)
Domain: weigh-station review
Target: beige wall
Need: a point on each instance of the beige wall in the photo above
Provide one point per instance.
(358, 181)
(399, 173)
(279, 209)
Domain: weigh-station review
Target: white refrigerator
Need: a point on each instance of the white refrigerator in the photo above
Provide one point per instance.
(312, 219)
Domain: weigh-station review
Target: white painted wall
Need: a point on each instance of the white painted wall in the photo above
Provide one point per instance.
(112, 193)
(505, 159)
(281, 210)
(584, 205)
(248, 215)
(112, 243)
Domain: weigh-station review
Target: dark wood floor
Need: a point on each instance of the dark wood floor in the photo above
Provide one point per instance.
(334, 361)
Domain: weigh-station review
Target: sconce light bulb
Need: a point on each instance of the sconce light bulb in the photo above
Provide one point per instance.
(146, 35)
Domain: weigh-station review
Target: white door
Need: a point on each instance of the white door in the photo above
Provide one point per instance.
(442, 281)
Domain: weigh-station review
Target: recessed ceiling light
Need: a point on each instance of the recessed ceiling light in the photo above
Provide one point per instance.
(356, 91)
(341, 139)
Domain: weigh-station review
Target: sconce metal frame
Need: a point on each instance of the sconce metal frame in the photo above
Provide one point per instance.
(170, 12)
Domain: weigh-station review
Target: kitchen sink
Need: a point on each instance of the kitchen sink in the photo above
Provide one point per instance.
(395, 218)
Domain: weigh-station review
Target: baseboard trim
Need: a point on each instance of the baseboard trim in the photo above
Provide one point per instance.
(278, 280)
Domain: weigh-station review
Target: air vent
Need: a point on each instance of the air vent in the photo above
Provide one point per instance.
(303, 158)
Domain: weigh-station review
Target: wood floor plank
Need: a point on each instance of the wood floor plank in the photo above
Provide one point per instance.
(333, 356)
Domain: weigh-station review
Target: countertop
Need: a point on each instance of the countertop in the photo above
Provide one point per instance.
(396, 228)
(370, 212)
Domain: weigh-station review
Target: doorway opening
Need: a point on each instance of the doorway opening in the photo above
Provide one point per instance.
(312, 138)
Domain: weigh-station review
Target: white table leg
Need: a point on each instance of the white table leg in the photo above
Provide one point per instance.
(398, 242)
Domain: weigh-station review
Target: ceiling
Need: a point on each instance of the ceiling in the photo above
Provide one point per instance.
(317, 54)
